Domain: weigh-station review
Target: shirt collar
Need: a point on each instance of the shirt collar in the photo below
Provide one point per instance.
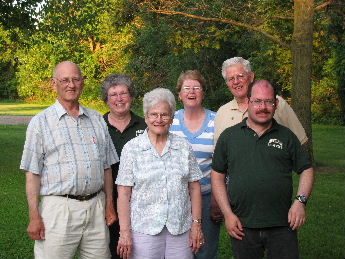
(62, 111)
(274, 126)
(146, 144)
(134, 119)
(233, 105)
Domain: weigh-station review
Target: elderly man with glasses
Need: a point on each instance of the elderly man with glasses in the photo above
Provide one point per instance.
(238, 75)
(67, 157)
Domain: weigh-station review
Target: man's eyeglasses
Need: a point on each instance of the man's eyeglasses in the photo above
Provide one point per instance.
(259, 102)
(189, 88)
(155, 116)
(74, 80)
(239, 77)
(122, 95)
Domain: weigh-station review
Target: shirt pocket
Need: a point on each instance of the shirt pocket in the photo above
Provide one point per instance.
(58, 149)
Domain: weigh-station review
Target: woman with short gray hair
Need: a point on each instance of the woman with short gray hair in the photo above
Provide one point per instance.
(118, 92)
(159, 201)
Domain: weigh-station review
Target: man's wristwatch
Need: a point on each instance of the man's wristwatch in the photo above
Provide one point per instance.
(197, 221)
(302, 199)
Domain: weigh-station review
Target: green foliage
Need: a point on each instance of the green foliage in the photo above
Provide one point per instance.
(18, 13)
(17, 20)
(337, 31)
(7, 52)
(112, 36)
(82, 32)
(326, 104)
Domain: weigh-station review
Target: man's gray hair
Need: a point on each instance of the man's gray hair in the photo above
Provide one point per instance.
(235, 61)
(157, 96)
(115, 80)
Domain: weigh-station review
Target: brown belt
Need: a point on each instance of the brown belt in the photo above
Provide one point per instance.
(81, 197)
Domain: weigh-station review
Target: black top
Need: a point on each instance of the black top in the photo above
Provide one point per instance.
(260, 172)
(135, 127)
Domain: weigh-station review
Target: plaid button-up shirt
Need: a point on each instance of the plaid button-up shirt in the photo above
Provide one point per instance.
(69, 154)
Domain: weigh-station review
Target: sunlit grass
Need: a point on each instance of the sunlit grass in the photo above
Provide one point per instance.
(321, 238)
(20, 108)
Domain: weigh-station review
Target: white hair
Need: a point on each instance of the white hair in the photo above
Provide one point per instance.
(235, 61)
(157, 96)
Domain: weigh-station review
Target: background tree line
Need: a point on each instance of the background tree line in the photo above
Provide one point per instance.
(153, 41)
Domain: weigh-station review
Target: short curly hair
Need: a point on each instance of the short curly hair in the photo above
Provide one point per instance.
(157, 96)
(115, 80)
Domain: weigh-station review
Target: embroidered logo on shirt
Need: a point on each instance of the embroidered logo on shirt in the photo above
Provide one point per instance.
(275, 143)
(139, 132)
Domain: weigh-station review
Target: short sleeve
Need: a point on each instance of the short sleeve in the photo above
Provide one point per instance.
(300, 157)
(286, 116)
(111, 156)
(194, 170)
(125, 175)
(217, 127)
(33, 153)
(219, 160)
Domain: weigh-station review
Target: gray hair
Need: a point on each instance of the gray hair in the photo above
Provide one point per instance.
(157, 96)
(115, 80)
(235, 61)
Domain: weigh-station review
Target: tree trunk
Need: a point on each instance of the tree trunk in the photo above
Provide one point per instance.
(302, 46)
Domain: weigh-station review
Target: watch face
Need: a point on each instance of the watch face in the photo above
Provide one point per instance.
(302, 198)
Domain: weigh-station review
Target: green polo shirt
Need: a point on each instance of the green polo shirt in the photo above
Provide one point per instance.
(260, 172)
(135, 127)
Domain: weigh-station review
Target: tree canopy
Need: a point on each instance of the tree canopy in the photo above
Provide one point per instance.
(154, 41)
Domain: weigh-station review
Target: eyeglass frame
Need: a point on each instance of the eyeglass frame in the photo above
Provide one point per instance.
(122, 95)
(268, 102)
(189, 88)
(155, 116)
(240, 77)
(67, 81)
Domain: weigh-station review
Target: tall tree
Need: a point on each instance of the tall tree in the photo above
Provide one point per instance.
(302, 48)
(93, 34)
(286, 23)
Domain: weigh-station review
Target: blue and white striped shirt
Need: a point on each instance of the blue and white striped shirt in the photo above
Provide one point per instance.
(202, 143)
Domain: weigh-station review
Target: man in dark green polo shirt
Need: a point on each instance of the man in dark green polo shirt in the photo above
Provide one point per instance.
(259, 155)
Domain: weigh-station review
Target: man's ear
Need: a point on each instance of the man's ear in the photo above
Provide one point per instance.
(252, 77)
(277, 102)
(53, 83)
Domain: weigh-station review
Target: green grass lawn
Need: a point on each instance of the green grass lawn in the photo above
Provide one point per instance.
(23, 108)
(321, 238)
(18, 108)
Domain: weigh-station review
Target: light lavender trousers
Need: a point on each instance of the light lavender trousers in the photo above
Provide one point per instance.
(161, 246)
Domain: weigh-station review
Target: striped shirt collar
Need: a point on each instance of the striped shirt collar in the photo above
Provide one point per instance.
(62, 111)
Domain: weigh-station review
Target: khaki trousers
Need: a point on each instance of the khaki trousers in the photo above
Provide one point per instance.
(72, 225)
